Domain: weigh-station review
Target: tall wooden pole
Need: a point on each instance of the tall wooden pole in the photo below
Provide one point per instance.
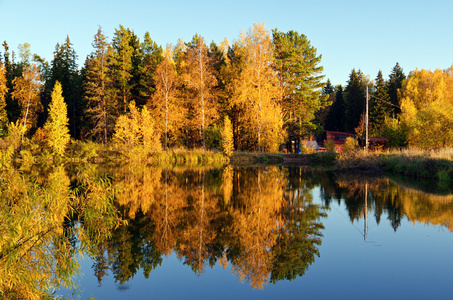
(365, 211)
(366, 120)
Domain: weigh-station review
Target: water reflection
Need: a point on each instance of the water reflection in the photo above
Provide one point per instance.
(40, 235)
(387, 196)
(251, 218)
(263, 222)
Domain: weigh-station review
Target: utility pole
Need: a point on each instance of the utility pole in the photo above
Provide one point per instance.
(366, 120)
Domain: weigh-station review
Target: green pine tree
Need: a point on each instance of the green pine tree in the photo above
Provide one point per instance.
(394, 83)
(321, 115)
(354, 100)
(3, 92)
(123, 65)
(63, 69)
(151, 55)
(380, 107)
(300, 80)
(336, 118)
(101, 108)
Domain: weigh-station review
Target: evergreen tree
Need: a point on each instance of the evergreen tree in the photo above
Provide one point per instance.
(99, 94)
(57, 123)
(229, 96)
(328, 89)
(354, 100)
(11, 72)
(63, 69)
(379, 108)
(151, 55)
(394, 83)
(336, 118)
(3, 92)
(321, 115)
(123, 63)
(300, 81)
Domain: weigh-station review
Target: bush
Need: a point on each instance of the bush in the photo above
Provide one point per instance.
(350, 144)
(329, 145)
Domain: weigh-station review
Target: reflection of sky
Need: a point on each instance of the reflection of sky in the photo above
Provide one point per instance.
(415, 262)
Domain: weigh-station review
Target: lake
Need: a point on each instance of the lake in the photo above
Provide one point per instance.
(148, 232)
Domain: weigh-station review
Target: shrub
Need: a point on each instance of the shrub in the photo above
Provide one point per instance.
(329, 145)
(350, 144)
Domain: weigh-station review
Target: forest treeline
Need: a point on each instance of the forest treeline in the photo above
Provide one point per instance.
(266, 86)
(411, 111)
(131, 91)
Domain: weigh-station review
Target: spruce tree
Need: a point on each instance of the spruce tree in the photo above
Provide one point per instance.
(3, 92)
(380, 107)
(63, 69)
(151, 55)
(99, 94)
(354, 100)
(336, 118)
(394, 83)
(328, 89)
(321, 116)
(12, 107)
(122, 65)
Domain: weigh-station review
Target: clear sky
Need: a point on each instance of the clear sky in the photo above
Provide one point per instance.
(362, 34)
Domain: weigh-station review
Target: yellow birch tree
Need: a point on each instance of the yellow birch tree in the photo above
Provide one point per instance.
(165, 109)
(26, 90)
(198, 75)
(259, 87)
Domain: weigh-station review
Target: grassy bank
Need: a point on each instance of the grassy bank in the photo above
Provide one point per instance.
(415, 163)
(434, 164)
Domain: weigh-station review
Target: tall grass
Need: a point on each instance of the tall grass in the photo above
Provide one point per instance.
(190, 157)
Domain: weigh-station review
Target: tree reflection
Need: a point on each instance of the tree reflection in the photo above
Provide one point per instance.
(243, 216)
(298, 242)
(39, 232)
(262, 221)
(393, 199)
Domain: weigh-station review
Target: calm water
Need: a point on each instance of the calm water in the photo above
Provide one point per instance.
(255, 233)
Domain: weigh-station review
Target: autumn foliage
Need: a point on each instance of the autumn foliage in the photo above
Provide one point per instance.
(427, 108)
(57, 123)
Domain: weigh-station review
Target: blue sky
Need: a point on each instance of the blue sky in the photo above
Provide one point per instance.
(366, 35)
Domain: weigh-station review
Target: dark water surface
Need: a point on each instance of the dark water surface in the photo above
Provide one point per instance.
(258, 233)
